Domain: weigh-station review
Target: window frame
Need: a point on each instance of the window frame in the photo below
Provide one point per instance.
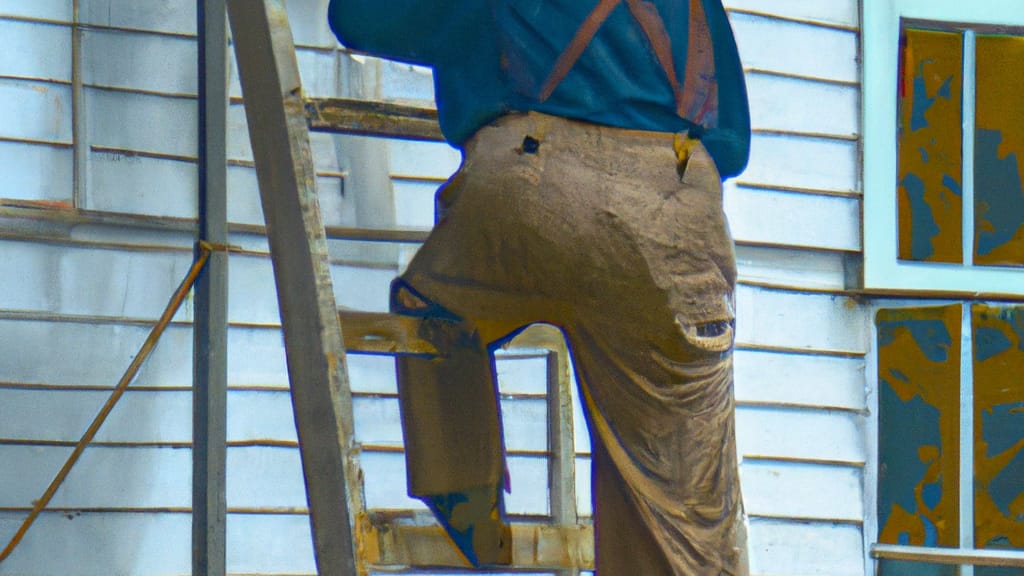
(965, 516)
(880, 37)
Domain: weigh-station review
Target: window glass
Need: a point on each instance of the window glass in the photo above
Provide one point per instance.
(930, 151)
(919, 425)
(998, 336)
(998, 152)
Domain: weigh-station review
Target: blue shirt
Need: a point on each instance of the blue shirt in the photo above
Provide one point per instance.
(491, 57)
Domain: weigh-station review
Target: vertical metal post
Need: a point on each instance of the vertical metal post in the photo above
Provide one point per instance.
(209, 396)
(562, 473)
(321, 399)
(79, 128)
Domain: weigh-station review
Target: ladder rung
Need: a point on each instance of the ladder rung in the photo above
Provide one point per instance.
(380, 333)
(348, 116)
(392, 544)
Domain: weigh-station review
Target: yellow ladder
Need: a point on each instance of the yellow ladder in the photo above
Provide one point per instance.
(347, 539)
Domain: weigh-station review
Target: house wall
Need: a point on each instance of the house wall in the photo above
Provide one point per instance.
(78, 293)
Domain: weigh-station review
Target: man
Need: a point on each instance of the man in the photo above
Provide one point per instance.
(595, 134)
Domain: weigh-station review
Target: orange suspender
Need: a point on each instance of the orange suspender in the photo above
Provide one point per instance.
(699, 96)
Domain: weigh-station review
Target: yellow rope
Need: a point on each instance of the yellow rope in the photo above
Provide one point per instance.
(154, 336)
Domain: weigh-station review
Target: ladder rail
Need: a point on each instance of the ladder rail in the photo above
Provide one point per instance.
(321, 396)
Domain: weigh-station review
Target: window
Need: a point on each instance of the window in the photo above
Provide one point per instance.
(951, 431)
(943, 145)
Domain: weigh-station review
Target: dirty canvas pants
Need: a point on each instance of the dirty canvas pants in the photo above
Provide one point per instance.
(590, 229)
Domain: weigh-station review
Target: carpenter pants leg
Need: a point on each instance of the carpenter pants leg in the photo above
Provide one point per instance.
(590, 229)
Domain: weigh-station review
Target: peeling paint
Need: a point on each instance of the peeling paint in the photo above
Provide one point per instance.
(919, 383)
(930, 151)
(998, 426)
(999, 145)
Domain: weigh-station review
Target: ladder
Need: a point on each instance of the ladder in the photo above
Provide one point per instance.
(347, 539)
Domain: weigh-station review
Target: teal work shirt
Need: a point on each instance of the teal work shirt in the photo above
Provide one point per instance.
(491, 57)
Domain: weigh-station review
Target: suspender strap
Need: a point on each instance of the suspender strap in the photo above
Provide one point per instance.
(575, 48)
(646, 13)
(699, 96)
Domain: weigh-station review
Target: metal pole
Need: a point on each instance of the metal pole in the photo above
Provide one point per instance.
(209, 396)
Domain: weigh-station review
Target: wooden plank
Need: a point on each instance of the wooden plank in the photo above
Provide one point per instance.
(20, 167)
(29, 353)
(771, 44)
(36, 110)
(142, 122)
(791, 267)
(810, 163)
(49, 414)
(805, 548)
(348, 116)
(802, 491)
(320, 392)
(793, 219)
(766, 377)
(48, 59)
(534, 546)
(561, 433)
(136, 477)
(834, 12)
(933, 555)
(800, 435)
(88, 543)
(140, 61)
(171, 16)
(79, 544)
(380, 333)
(48, 10)
(800, 105)
(807, 321)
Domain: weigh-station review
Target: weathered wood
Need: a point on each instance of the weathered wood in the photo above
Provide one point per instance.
(378, 333)
(391, 544)
(1008, 558)
(316, 359)
(370, 118)
(562, 468)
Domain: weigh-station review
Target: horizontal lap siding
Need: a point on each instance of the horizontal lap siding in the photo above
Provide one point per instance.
(795, 213)
(800, 343)
(75, 309)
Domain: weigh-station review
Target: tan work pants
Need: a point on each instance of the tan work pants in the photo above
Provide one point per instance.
(594, 230)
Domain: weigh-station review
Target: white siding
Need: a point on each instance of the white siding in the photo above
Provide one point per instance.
(77, 299)
(801, 343)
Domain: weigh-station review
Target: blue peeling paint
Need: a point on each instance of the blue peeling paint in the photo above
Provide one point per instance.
(1006, 486)
(989, 342)
(931, 494)
(998, 192)
(1015, 318)
(899, 375)
(952, 185)
(921, 104)
(946, 90)
(905, 427)
(931, 336)
(923, 227)
(931, 534)
(1003, 427)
